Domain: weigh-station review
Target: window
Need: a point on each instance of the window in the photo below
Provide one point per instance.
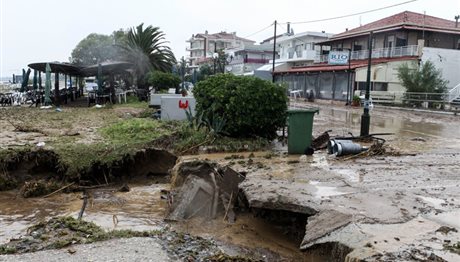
(357, 46)
(375, 86)
(401, 41)
(390, 41)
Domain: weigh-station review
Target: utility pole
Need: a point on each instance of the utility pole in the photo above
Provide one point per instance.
(366, 118)
(349, 94)
(274, 54)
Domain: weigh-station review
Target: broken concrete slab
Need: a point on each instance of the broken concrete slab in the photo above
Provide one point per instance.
(322, 224)
(195, 198)
(203, 189)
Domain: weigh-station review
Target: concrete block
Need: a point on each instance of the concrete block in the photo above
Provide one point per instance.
(173, 108)
(155, 99)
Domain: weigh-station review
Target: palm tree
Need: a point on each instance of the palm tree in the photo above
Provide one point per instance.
(146, 49)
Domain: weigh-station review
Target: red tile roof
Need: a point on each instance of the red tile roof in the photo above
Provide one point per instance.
(402, 20)
(354, 64)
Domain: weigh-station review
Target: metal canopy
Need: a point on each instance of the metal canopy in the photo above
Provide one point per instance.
(57, 67)
(108, 68)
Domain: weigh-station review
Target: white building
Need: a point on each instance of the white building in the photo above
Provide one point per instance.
(300, 49)
(203, 46)
(244, 60)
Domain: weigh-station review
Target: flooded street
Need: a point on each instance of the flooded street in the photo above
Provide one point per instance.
(140, 209)
(376, 194)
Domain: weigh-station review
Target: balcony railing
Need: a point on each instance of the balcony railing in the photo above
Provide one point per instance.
(298, 55)
(241, 60)
(400, 51)
(188, 48)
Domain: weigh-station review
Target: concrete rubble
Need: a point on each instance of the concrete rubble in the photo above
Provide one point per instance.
(203, 189)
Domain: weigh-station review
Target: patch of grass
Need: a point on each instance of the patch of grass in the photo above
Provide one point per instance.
(65, 231)
(134, 130)
(454, 248)
(6, 250)
(133, 102)
(190, 139)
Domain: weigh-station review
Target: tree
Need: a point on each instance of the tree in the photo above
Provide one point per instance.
(146, 49)
(95, 48)
(204, 72)
(163, 81)
(425, 79)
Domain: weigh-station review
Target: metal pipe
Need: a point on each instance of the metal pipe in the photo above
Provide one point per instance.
(341, 149)
(331, 143)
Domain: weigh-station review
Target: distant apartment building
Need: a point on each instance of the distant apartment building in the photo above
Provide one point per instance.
(202, 46)
(406, 37)
(292, 50)
(244, 60)
(300, 49)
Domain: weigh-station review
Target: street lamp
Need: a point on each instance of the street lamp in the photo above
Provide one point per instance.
(366, 118)
(215, 56)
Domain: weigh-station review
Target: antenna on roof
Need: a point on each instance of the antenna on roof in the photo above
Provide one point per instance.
(456, 20)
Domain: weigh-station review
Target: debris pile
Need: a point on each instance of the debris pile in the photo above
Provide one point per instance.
(203, 189)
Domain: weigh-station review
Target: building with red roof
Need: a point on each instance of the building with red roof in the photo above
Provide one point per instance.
(202, 46)
(406, 37)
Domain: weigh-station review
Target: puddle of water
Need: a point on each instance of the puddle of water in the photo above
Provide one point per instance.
(405, 125)
(325, 191)
(350, 174)
(447, 218)
(435, 202)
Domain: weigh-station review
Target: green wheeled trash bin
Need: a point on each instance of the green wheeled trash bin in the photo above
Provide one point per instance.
(300, 127)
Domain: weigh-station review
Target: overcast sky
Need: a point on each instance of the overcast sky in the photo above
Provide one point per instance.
(48, 30)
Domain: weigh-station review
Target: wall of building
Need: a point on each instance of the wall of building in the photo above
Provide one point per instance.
(385, 73)
(440, 40)
(447, 60)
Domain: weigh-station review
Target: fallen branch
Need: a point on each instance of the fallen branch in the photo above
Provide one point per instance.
(228, 206)
(195, 146)
(94, 187)
(59, 190)
(85, 202)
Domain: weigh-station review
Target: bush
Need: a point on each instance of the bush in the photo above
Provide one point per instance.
(249, 106)
(425, 79)
(162, 81)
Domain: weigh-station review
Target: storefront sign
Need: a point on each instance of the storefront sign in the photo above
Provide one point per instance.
(338, 58)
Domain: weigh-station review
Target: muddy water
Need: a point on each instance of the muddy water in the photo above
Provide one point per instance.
(423, 131)
(143, 209)
(139, 209)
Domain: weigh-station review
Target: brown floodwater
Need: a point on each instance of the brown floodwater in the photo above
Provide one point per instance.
(139, 209)
(143, 209)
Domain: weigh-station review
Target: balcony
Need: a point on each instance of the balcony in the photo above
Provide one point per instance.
(241, 60)
(295, 56)
(194, 48)
(400, 51)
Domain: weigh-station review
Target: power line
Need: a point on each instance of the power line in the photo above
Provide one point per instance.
(354, 14)
(261, 30)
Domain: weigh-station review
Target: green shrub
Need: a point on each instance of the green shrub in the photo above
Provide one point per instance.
(249, 106)
(162, 81)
